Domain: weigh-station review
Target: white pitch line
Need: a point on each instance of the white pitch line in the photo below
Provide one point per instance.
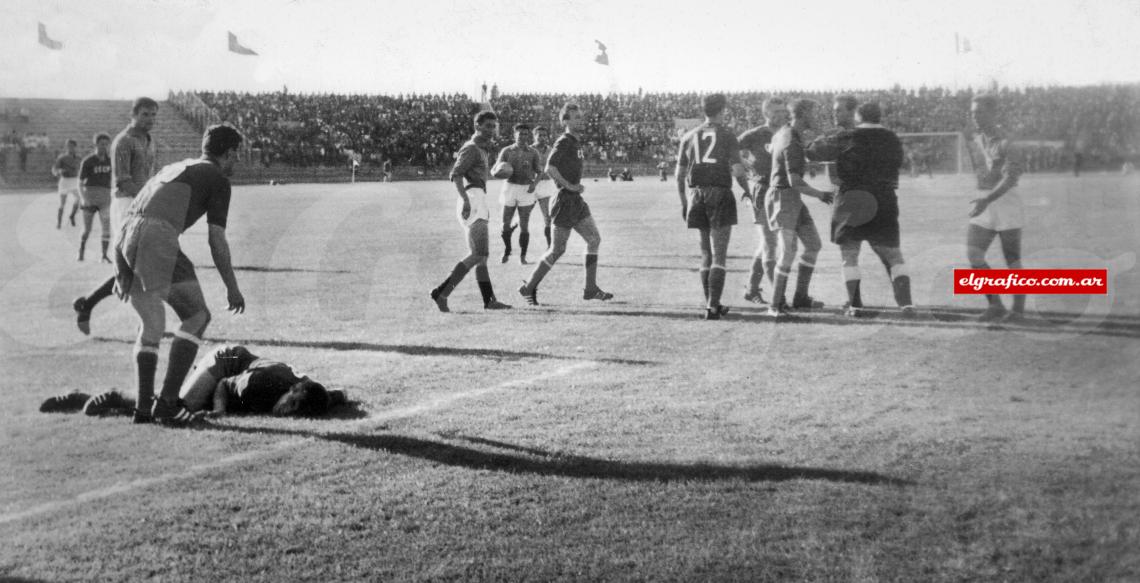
(281, 446)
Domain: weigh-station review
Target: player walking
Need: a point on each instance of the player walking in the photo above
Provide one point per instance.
(518, 189)
(757, 160)
(544, 190)
(787, 215)
(95, 192)
(707, 161)
(66, 168)
(569, 211)
(470, 178)
(150, 268)
(132, 163)
(1000, 212)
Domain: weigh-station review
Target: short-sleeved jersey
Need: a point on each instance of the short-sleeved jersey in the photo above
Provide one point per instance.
(524, 160)
(67, 165)
(566, 156)
(756, 141)
(132, 161)
(184, 191)
(543, 151)
(471, 163)
(96, 171)
(787, 157)
(706, 156)
(870, 159)
(258, 388)
(995, 158)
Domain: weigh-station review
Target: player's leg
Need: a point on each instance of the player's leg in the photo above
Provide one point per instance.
(1011, 249)
(544, 206)
(443, 290)
(706, 261)
(84, 304)
(62, 204)
(152, 323)
(589, 232)
(74, 205)
(764, 260)
(809, 236)
(104, 209)
(785, 255)
(978, 241)
(719, 237)
(186, 298)
(479, 245)
(88, 220)
(852, 276)
(508, 216)
(524, 231)
(897, 270)
(529, 288)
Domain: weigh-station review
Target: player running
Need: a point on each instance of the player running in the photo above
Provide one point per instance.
(66, 168)
(151, 270)
(1000, 212)
(518, 189)
(707, 161)
(95, 193)
(787, 215)
(569, 212)
(470, 178)
(757, 160)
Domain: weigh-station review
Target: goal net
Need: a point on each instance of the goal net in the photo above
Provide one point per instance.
(935, 152)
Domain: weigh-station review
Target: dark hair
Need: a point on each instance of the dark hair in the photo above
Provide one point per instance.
(802, 107)
(986, 100)
(71, 142)
(541, 129)
(143, 102)
(98, 137)
(306, 398)
(870, 112)
(522, 127)
(714, 104)
(483, 116)
(847, 101)
(564, 114)
(220, 139)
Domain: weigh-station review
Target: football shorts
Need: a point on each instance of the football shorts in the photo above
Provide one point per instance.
(479, 211)
(568, 209)
(711, 207)
(516, 195)
(1004, 214)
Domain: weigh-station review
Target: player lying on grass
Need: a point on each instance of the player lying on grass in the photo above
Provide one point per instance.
(230, 379)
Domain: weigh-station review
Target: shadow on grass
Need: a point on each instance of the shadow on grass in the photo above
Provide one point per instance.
(407, 349)
(517, 459)
(265, 269)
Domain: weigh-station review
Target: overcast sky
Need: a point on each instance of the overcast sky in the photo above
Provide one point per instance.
(125, 48)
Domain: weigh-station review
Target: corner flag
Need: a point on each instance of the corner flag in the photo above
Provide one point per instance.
(236, 47)
(47, 41)
(602, 58)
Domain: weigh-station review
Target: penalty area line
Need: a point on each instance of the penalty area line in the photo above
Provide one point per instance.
(370, 423)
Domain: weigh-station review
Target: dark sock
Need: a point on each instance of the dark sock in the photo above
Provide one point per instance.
(853, 295)
(803, 280)
(1019, 304)
(716, 286)
(994, 300)
(103, 291)
(182, 354)
(705, 282)
(82, 245)
(106, 244)
(779, 289)
(755, 276)
(487, 291)
(901, 285)
(524, 242)
(591, 271)
(59, 217)
(546, 233)
(146, 363)
(506, 236)
(457, 274)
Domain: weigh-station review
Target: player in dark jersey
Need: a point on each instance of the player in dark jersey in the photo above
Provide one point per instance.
(544, 190)
(757, 160)
(707, 161)
(1000, 213)
(518, 189)
(95, 193)
(867, 164)
(569, 212)
(66, 168)
(469, 175)
(151, 270)
(787, 215)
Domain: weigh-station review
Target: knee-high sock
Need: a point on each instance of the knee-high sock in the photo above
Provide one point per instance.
(705, 282)
(457, 274)
(488, 292)
(780, 287)
(59, 216)
(524, 242)
(716, 285)
(106, 244)
(591, 271)
(506, 236)
(756, 275)
(183, 350)
(852, 278)
(146, 363)
(104, 290)
(803, 280)
(900, 282)
(539, 272)
(770, 270)
(546, 233)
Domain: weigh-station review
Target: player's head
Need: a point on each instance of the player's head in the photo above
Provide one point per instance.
(983, 110)
(143, 113)
(571, 116)
(306, 398)
(803, 113)
(843, 110)
(71, 146)
(541, 134)
(486, 124)
(713, 105)
(221, 143)
(102, 143)
(869, 112)
(523, 134)
(775, 110)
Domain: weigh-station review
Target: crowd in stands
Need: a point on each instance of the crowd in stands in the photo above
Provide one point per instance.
(425, 131)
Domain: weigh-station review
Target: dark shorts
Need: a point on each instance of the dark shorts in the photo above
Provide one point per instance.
(568, 209)
(882, 229)
(711, 207)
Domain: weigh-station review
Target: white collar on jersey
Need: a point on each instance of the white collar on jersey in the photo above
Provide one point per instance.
(871, 125)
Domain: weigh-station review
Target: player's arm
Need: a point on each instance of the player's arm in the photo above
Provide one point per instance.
(1011, 170)
(679, 176)
(748, 159)
(556, 176)
(124, 181)
(796, 163)
(463, 163)
(84, 174)
(56, 167)
(737, 168)
(536, 163)
(220, 250)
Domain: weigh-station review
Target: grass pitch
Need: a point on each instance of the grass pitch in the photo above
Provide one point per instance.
(628, 440)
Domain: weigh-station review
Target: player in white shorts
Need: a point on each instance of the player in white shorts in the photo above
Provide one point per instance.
(66, 168)
(545, 188)
(519, 188)
(1000, 213)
